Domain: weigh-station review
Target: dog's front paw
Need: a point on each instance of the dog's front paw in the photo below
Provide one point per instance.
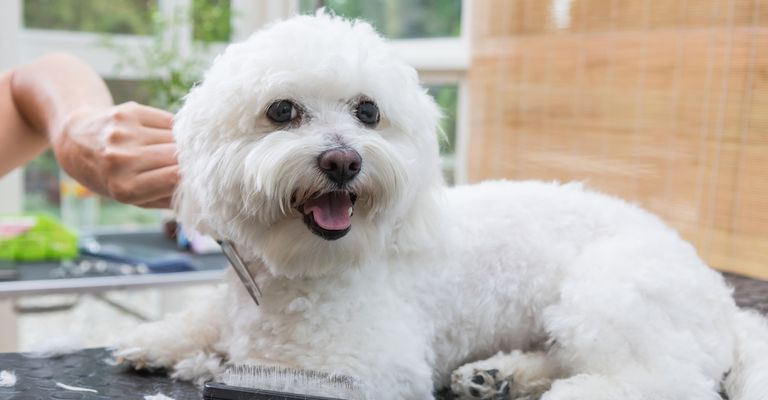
(485, 384)
(148, 347)
(135, 357)
(140, 353)
(517, 375)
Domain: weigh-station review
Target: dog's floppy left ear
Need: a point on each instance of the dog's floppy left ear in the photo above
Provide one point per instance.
(189, 212)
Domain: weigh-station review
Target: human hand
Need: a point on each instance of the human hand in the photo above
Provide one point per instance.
(126, 152)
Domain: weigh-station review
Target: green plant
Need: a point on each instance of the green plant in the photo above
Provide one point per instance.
(398, 19)
(121, 16)
(211, 20)
(446, 97)
(172, 70)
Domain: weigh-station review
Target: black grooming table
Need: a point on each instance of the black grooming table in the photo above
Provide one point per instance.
(749, 293)
(92, 369)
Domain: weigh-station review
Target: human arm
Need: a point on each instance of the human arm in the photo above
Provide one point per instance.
(125, 152)
(19, 143)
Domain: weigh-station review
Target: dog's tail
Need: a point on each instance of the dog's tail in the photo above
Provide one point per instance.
(748, 379)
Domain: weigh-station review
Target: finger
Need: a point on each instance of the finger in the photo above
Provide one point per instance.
(154, 117)
(162, 203)
(154, 157)
(149, 136)
(152, 187)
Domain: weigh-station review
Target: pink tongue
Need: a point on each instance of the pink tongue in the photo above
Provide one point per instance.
(330, 211)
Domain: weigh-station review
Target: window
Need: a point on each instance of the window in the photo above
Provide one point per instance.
(124, 16)
(447, 97)
(46, 188)
(399, 19)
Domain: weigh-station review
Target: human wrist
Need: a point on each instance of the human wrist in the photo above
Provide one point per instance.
(67, 123)
(76, 145)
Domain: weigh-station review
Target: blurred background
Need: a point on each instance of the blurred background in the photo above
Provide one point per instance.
(662, 102)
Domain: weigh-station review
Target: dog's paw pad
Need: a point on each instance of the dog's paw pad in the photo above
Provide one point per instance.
(481, 385)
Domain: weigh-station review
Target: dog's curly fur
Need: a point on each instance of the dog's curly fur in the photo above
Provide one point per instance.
(428, 278)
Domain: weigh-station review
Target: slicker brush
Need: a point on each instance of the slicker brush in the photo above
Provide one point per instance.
(255, 382)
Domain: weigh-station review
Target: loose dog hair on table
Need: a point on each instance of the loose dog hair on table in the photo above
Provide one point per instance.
(313, 149)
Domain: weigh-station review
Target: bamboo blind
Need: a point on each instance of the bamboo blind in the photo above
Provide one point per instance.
(663, 102)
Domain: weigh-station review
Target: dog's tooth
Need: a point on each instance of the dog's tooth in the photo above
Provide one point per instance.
(350, 210)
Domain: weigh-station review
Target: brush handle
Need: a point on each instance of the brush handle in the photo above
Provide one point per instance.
(220, 391)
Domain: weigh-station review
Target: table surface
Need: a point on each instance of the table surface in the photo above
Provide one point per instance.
(39, 278)
(91, 368)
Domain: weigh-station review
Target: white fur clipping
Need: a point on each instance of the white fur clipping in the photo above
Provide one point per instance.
(110, 361)
(158, 396)
(75, 388)
(7, 379)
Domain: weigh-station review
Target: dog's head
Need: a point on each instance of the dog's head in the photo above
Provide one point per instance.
(310, 145)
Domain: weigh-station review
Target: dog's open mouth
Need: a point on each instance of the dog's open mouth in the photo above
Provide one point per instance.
(329, 215)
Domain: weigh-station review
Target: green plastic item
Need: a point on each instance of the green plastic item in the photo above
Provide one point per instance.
(35, 238)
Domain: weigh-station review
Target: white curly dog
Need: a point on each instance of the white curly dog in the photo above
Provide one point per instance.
(313, 148)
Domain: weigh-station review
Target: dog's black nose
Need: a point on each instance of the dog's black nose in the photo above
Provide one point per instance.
(341, 164)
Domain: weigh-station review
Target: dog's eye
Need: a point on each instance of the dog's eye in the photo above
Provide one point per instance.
(282, 111)
(367, 112)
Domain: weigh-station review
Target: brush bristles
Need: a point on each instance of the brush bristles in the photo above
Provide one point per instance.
(292, 380)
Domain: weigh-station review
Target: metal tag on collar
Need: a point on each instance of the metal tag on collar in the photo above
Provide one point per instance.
(241, 269)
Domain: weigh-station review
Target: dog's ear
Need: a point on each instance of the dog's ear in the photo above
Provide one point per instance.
(189, 198)
(188, 211)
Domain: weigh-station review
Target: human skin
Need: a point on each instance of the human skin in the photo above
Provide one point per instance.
(125, 152)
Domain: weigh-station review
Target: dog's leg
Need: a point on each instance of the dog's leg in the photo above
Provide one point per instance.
(517, 375)
(183, 342)
(640, 318)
